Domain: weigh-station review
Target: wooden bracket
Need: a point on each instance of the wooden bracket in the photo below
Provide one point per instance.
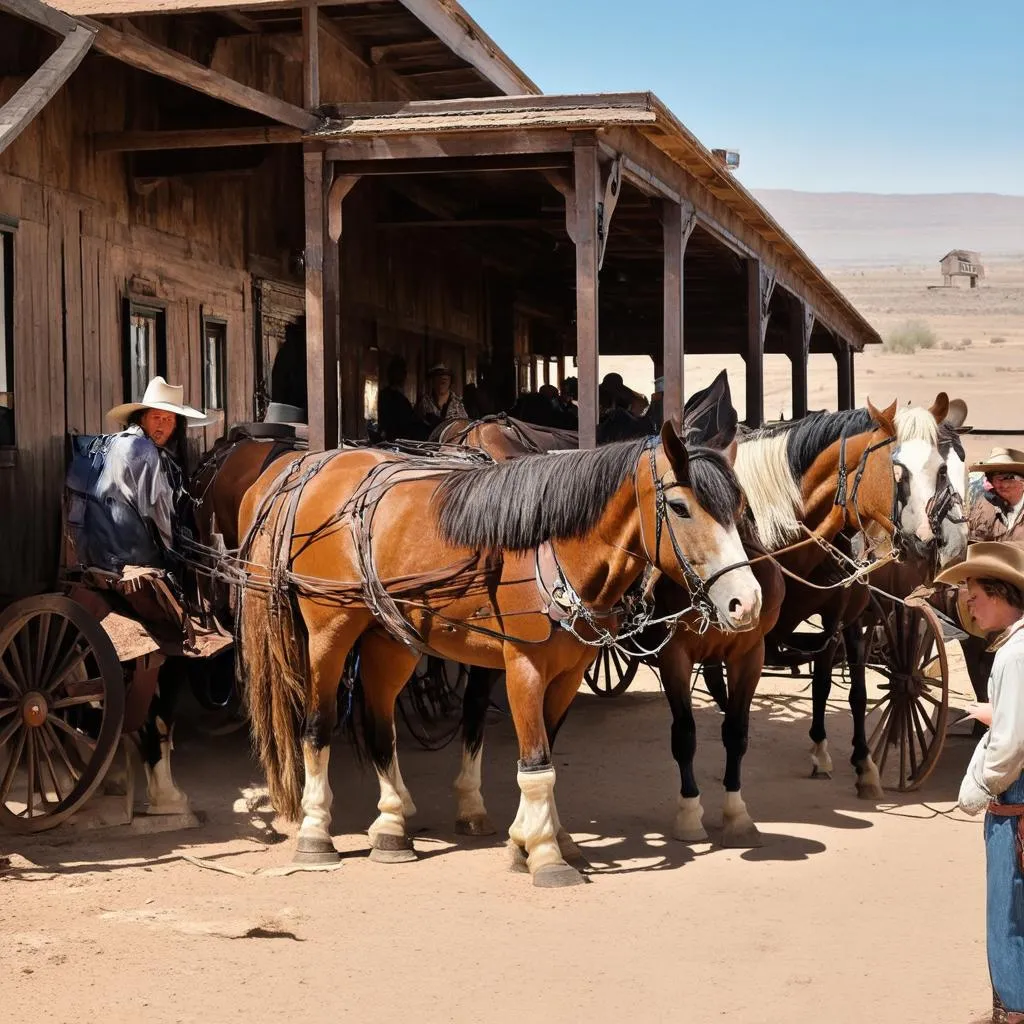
(767, 288)
(340, 187)
(611, 186)
(809, 321)
(561, 181)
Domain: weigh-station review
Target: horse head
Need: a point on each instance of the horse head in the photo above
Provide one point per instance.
(698, 504)
(929, 507)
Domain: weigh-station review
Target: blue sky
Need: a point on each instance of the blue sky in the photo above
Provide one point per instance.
(822, 95)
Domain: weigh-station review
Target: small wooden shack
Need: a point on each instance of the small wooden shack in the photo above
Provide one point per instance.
(961, 263)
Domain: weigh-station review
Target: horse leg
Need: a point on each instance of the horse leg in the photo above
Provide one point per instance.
(821, 687)
(676, 668)
(536, 825)
(714, 682)
(738, 829)
(869, 783)
(156, 738)
(471, 817)
(385, 667)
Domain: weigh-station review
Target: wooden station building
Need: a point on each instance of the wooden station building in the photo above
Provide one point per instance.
(182, 179)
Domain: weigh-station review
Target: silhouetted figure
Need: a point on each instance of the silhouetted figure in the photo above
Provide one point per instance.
(288, 376)
(395, 415)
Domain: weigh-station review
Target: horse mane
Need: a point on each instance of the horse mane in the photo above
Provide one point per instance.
(915, 423)
(520, 504)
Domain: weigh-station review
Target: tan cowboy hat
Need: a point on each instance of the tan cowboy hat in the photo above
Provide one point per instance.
(995, 560)
(159, 395)
(439, 370)
(1000, 460)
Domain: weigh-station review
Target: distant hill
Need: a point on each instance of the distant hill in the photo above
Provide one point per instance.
(856, 228)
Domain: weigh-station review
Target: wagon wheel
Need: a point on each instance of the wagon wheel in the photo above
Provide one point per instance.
(431, 703)
(907, 725)
(61, 710)
(611, 672)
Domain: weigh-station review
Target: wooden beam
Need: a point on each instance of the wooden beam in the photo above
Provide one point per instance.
(455, 165)
(801, 326)
(317, 366)
(196, 138)
(678, 220)
(522, 223)
(760, 284)
(471, 144)
(844, 374)
(29, 100)
(340, 188)
(450, 23)
(586, 177)
(311, 57)
(148, 56)
(396, 53)
(41, 14)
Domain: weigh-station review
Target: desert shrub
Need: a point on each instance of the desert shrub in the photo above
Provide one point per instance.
(998, 340)
(966, 342)
(909, 337)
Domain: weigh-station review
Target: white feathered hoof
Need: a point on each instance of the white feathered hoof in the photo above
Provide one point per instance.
(475, 825)
(315, 850)
(568, 848)
(389, 849)
(517, 858)
(821, 761)
(741, 834)
(557, 876)
(869, 782)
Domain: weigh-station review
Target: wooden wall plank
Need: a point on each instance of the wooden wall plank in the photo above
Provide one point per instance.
(91, 356)
(74, 364)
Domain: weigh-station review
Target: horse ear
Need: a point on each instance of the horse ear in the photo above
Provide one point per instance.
(730, 452)
(957, 415)
(709, 418)
(676, 452)
(886, 419)
(940, 407)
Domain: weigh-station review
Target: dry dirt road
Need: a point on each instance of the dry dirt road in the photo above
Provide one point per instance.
(850, 912)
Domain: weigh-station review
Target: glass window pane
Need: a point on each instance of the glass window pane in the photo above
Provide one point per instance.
(214, 363)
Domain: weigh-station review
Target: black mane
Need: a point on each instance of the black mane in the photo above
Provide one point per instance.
(808, 437)
(519, 504)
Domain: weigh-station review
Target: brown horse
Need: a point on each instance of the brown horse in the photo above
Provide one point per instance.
(791, 480)
(480, 564)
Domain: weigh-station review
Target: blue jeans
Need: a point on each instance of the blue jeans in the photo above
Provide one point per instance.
(1005, 904)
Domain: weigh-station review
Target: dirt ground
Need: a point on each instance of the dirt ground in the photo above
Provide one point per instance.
(849, 912)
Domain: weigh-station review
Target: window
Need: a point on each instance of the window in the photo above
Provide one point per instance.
(6, 338)
(215, 349)
(145, 352)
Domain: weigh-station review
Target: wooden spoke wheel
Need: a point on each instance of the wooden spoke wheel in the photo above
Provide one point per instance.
(431, 703)
(61, 710)
(906, 726)
(611, 672)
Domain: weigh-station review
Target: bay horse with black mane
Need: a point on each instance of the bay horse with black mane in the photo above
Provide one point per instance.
(474, 563)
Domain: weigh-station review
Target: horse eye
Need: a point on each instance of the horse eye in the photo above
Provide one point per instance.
(679, 507)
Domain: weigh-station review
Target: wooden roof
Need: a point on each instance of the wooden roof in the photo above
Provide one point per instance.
(434, 44)
(641, 113)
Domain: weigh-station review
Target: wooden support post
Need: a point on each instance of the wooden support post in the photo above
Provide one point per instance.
(760, 285)
(678, 220)
(844, 374)
(799, 350)
(586, 178)
(311, 57)
(321, 367)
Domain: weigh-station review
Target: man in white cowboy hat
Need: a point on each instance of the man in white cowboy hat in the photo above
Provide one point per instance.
(131, 513)
(439, 403)
(996, 515)
(992, 601)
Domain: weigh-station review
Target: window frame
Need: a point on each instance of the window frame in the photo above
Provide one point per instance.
(8, 235)
(207, 320)
(149, 309)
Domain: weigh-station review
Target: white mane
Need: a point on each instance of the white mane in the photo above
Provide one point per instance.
(762, 468)
(915, 423)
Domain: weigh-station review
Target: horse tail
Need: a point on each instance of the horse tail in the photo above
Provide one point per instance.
(272, 675)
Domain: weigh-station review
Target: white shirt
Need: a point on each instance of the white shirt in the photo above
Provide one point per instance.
(998, 760)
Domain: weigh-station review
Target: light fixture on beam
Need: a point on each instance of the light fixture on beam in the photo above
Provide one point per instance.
(728, 158)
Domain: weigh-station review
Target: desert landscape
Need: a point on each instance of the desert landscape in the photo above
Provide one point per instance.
(882, 253)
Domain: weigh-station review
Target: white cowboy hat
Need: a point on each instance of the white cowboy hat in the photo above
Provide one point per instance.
(159, 395)
(994, 560)
(1001, 460)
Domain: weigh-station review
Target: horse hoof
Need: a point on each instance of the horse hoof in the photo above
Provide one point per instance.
(517, 858)
(313, 850)
(689, 833)
(168, 807)
(821, 773)
(557, 876)
(743, 836)
(389, 849)
(478, 825)
(869, 791)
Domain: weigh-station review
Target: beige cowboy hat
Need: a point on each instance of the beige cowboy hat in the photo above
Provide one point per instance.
(159, 395)
(995, 560)
(439, 370)
(1001, 460)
